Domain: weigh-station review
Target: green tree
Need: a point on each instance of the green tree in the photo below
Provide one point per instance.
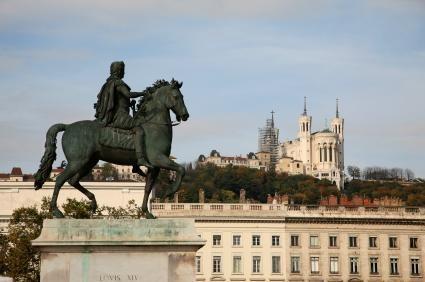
(224, 184)
(22, 260)
(77, 209)
(3, 254)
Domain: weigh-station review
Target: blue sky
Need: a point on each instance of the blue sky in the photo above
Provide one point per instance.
(238, 61)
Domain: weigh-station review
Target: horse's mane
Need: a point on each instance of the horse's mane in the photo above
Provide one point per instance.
(150, 90)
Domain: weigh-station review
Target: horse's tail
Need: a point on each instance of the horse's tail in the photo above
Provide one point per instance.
(49, 156)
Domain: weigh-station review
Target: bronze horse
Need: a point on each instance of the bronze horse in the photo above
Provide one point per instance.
(83, 147)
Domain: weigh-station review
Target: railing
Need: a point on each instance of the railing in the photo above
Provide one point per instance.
(236, 207)
(276, 210)
(411, 210)
(196, 207)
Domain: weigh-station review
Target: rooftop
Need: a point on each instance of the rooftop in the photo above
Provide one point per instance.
(16, 171)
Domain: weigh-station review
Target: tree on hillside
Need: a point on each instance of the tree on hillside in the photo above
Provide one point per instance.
(353, 171)
(223, 184)
(410, 175)
(382, 173)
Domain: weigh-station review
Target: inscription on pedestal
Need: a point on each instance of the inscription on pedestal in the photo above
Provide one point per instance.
(120, 277)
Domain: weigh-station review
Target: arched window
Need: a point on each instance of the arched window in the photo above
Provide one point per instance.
(336, 128)
(325, 152)
(339, 126)
(303, 126)
(307, 126)
(321, 158)
(330, 154)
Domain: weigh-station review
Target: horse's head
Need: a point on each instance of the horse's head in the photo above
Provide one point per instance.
(174, 100)
(163, 95)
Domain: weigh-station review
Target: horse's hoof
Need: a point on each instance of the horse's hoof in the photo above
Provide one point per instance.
(93, 207)
(57, 213)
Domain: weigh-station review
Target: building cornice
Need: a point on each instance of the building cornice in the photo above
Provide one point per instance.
(322, 220)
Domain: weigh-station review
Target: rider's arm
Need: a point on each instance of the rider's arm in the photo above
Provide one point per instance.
(127, 93)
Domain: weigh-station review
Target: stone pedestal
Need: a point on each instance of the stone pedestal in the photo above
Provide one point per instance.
(98, 250)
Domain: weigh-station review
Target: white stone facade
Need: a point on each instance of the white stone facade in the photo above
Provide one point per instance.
(259, 242)
(215, 158)
(320, 154)
(14, 195)
(125, 173)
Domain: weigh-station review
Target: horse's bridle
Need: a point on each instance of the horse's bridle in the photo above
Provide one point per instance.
(172, 123)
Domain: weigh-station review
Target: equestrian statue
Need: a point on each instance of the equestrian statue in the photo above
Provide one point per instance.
(115, 136)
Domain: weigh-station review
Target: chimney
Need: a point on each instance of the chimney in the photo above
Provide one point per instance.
(285, 199)
(201, 195)
(269, 199)
(176, 197)
(242, 196)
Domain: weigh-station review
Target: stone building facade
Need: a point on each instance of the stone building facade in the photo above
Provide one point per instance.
(260, 242)
(14, 195)
(320, 154)
(215, 158)
(125, 173)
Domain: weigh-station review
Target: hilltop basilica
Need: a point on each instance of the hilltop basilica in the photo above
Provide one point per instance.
(320, 153)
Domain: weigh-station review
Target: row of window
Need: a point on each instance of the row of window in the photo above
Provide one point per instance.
(334, 265)
(354, 263)
(353, 241)
(255, 241)
(217, 265)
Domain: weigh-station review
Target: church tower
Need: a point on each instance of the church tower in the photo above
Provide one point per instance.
(337, 127)
(304, 135)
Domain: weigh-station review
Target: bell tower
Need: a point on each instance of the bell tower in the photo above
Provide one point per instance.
(337, 124)
(304, 122)
(337, 127)
(304, 134)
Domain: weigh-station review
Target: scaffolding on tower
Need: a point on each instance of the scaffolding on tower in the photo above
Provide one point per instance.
(268, 141)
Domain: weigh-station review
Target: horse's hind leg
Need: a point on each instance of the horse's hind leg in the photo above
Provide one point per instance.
(71, 169)
(75, 182)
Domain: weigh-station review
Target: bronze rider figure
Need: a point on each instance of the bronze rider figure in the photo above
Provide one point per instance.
(113, 109)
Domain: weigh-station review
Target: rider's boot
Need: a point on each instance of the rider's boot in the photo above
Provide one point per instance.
(139, 144)
(136, 169)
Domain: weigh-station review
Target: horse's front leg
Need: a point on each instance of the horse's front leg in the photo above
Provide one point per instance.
(151, 177)
(163, 161)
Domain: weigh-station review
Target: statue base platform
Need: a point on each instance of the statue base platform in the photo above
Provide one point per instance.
(98, 250)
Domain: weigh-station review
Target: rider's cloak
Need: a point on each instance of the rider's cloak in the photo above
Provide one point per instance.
(105, 107)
